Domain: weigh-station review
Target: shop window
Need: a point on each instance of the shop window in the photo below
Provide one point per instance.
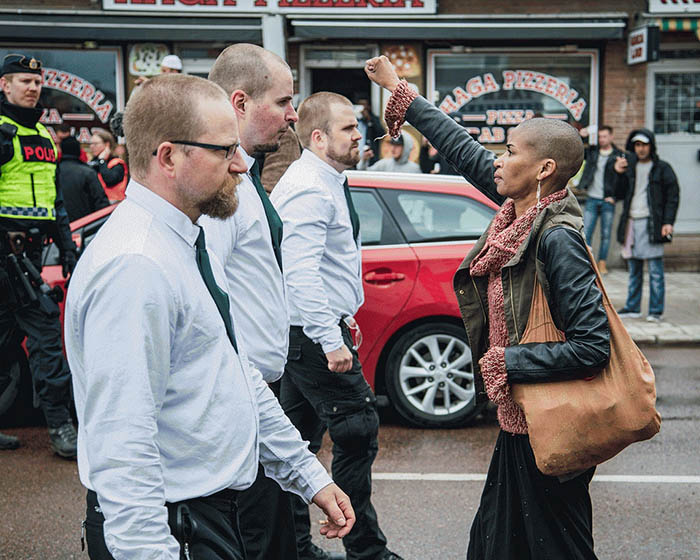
(80, 87)
(491, 92)
(676, 102)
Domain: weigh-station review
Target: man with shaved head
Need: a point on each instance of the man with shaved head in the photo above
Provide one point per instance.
(259, 87)
(323, 387)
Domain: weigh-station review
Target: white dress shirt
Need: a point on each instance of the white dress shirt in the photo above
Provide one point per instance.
(254, 281)
(322, 261)
(167, 410)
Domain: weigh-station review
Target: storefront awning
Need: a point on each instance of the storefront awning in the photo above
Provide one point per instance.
(678, 24)
(103, 28)
(574, 29)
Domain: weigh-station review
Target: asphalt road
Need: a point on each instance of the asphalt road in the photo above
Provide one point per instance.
(427, 485)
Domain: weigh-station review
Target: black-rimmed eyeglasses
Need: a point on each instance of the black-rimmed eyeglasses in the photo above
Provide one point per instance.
(230, 150)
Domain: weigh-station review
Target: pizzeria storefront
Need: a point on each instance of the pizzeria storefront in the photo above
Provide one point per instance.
(489, 72)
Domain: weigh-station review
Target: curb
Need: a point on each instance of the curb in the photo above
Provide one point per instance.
(658, 341)
(671, 336)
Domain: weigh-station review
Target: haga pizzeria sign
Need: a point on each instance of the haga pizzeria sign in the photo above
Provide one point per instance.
(202, 7)
(523, 80)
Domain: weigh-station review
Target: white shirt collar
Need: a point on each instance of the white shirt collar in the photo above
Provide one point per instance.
(163, 211)
(325, 168)
(249, 160)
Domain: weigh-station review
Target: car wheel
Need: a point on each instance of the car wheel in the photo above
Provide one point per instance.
(430, 377)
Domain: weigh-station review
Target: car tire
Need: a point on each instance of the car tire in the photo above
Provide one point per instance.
(430, 377)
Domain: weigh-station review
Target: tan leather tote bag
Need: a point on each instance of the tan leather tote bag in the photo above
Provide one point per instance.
(574, 425)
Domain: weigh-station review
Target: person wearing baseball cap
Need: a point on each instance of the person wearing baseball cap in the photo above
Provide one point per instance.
(171, 64)
(397, 159)
(31, 210)
(651, 195)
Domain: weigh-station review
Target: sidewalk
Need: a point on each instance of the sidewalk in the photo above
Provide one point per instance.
(681, 323)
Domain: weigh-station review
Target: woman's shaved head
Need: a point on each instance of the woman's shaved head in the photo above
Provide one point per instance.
(558, 140)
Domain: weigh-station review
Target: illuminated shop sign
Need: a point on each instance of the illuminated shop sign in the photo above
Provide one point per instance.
(499, 91)
(79, 88)
(330, 7)
(674, 6)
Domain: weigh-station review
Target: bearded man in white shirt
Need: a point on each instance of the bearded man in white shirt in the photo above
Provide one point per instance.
(259, 86)
(323, 386)
(172, 421)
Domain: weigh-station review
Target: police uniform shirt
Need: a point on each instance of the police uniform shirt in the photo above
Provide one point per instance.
(254, 281)
(322, 260)
(167, 410)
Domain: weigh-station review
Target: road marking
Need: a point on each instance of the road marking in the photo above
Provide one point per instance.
(475, 477)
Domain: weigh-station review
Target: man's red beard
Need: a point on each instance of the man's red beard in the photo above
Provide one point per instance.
(225, 202)
(347, 158)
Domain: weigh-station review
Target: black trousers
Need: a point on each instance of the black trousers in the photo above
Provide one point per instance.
(316, 399)
(48, 366)
(266, 517)
(526, 515)
(207, 526)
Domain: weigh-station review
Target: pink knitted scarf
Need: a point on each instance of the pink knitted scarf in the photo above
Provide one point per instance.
(506, 234)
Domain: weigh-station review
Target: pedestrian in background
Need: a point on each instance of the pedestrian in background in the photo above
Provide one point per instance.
(599, 180)
(171, 64)
(112, 170)
(523, 514)
(82, 191)
(63, 131)
(396, 161)
(260, 87)
(649, 212)
(371, 129)
(323, 387)
(173, 421)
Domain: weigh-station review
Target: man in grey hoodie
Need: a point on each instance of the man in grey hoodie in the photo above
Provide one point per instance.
(397, 162)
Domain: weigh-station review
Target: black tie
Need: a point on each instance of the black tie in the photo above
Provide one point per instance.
(218, 295)
(354, 218)
(273, 219)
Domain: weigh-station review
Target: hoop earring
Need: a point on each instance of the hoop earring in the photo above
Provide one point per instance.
(539, 191)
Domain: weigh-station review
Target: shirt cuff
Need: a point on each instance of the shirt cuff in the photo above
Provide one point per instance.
(315, 479)
(332, 340)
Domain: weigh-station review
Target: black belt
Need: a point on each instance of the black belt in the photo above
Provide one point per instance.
(225, 494)
(341, 323)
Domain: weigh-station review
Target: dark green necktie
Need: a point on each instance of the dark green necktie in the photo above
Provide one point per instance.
(354, 218)
(273, 219)
(218, 295)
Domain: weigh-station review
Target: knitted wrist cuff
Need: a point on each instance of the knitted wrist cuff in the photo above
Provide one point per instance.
(399, 102)
(493, 370)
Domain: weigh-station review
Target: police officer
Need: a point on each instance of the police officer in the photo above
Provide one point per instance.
(31, 209)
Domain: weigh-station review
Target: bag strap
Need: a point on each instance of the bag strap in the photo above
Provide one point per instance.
(540, 313)
(599, 279)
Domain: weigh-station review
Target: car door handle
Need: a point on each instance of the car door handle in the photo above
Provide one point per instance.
(384, 277)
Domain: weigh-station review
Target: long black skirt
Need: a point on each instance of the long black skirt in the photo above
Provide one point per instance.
(525, 515)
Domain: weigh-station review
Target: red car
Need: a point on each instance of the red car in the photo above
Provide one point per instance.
(416, 229)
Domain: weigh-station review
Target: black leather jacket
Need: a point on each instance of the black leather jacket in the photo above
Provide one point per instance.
(555, 252)
(609, 175)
